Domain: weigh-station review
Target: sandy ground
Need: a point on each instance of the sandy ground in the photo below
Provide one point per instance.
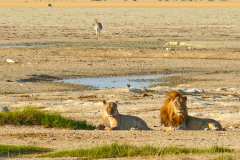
(53, 44)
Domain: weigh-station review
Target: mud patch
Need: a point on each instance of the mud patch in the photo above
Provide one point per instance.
(38, 78)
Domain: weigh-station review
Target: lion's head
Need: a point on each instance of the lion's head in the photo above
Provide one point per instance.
(110, 108)
(174, 111)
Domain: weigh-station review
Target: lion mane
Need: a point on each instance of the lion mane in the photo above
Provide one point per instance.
(113, 120)
(174, 114)
(170, 115)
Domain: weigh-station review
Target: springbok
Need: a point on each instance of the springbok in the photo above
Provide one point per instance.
(98, 28)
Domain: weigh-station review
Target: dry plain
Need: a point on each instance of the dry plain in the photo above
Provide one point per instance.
(49, 44)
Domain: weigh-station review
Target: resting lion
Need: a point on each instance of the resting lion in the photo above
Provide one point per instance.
(113, 120)
(174, 114)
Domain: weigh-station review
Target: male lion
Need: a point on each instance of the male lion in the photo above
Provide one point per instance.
(174, 114)
(113, 120)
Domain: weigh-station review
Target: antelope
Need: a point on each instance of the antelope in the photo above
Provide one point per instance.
(98, 28)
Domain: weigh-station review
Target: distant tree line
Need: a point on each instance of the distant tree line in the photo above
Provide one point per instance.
(191, 0)
(173, 0)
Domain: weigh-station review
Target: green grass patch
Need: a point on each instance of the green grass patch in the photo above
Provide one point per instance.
(31, 116)
(116, 150)
(11, 150)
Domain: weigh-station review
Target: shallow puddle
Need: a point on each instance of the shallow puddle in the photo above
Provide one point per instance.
(136, 81)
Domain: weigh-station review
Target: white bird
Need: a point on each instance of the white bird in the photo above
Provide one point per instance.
(136, 90)
(98, 28)
(10, 61)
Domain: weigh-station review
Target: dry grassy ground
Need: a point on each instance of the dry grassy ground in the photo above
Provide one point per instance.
(55, 43)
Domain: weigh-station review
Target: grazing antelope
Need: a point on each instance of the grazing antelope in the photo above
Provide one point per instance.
(98, 28)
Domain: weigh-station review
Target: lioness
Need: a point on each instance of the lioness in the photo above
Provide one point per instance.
(113, 120)
(174, 114)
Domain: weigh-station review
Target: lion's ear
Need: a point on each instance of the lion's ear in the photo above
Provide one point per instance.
(104, 102)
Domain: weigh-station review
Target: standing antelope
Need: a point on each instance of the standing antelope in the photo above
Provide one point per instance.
(98, 28)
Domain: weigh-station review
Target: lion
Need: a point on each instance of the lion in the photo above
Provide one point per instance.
(113, 120)
(174, 114)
